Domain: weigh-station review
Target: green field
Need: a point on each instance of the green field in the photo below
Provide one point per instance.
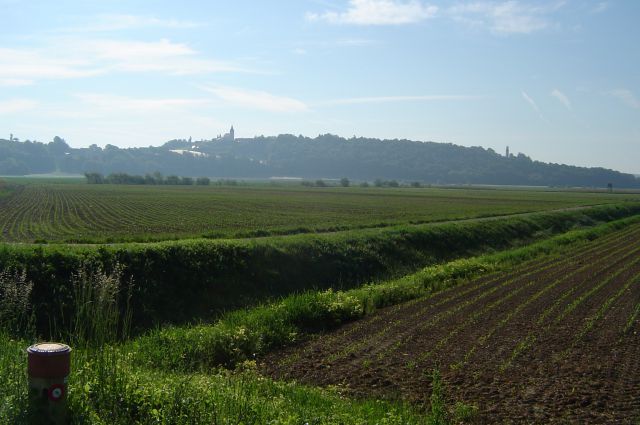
(177, 331)
(172, 376)
(45, 210)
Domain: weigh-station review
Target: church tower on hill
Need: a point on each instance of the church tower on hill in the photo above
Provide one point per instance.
(228, 137)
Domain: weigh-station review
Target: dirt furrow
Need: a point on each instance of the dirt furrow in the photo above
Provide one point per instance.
(543, 345)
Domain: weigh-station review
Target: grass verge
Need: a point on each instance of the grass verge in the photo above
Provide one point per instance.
(245, 334)
(186, 281)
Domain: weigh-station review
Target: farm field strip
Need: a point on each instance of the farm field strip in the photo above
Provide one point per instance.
(444, 296)
(452, 294)
(535, 334)
(71, 212)
(593, 320)
(582, 283)
(611, 358)
(510, 311)
(402, 335)
(624, 261)
(582, 310)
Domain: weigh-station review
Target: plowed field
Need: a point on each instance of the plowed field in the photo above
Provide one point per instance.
(558, 339)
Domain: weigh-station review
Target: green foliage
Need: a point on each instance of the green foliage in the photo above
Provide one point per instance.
(155, 379)
(102, 213)
(150, 179)
(438, 406)
(106, 387)
(327, 155)
(464, 413)
(16, 314)
(203, 181)
(13, 379)
(97, 318)
(186, 280)
(241, 335)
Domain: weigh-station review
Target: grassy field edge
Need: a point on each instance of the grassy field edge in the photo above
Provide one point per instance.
(186, 281)
(243, 335)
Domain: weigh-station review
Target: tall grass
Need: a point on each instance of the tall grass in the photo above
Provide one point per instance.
(97, 316)
(16, 313)
(13, 380)
(16, 326)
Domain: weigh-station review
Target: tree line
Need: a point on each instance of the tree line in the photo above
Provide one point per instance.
(324, 157)
(149, 179)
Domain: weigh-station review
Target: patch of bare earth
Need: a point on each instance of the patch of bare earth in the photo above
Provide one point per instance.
(553, 341)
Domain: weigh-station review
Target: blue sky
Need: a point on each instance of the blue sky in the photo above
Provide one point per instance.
(556, 80)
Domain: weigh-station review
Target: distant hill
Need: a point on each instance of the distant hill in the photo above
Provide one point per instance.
(325, 156)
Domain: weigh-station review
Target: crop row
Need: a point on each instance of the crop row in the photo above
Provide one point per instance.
(491, 336)
(112, 213)
(392, 335)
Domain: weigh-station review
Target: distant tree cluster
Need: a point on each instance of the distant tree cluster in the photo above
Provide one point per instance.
(345, 182)
(333, 157)
(317, 183)
(386, 183)
(148, 179)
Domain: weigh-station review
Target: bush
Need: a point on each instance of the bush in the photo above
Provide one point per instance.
(16, 314)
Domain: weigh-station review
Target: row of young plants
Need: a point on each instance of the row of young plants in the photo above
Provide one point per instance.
(519, 280)
(564, 276)
(603, 262)
(122, 213)
(604, 308)
(632, 320)
(606, 272)
(185, 281)
(243, 335)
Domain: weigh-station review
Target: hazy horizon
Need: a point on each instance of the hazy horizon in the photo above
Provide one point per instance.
(556, 80)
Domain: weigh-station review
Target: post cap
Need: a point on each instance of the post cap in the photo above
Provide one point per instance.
(49, 349)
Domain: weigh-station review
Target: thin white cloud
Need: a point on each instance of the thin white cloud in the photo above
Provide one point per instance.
(627, 97)
(600, 7)
(388, 99)
(15, 82)
(533, 104)
(108, 102)
(506, 17)
(75, 57)
(30, 65)
(256, 99)
(16, 105)
(159, 56)
(378, 12)
(562, 98)
(355, 42)
(107, 23)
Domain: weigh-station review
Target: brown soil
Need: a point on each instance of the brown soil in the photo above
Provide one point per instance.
(544, 343)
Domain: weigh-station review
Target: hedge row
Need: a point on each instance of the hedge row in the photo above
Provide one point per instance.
(244, 334)
(182, 281)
